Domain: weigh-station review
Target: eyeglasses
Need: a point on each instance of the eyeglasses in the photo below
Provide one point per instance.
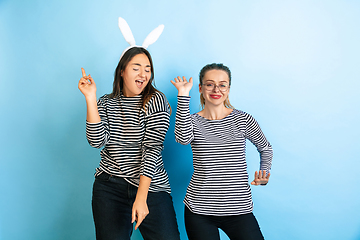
(211, 86)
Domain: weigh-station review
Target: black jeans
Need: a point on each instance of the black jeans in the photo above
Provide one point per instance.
(112, 203)
(205, 227)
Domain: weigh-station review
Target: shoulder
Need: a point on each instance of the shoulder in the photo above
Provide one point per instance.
(244, 115)
(158, 103)
(238, 112)
(104, 99)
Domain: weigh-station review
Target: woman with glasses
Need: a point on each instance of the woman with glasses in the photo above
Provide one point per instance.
(219, 194)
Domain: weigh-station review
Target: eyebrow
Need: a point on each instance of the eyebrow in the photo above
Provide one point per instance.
(223, 81)
(138, 64)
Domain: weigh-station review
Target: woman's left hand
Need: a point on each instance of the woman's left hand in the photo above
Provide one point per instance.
(261, 178)
(139, 212)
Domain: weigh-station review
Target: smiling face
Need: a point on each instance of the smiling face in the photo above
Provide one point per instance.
(215, 87)
(136, 75)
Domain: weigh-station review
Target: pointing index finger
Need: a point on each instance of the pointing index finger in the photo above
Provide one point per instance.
(83, 72)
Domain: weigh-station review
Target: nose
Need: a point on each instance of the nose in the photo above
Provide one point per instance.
(216, 88)
(142, 73)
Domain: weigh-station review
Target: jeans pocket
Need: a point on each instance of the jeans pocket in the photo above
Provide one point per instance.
(103, 177)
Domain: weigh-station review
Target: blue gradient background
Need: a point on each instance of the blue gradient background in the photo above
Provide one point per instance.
(295, 67)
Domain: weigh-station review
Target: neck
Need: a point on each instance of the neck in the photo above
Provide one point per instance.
(126, 94)
(215, 112)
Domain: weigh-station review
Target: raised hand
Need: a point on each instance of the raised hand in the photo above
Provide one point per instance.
(87, 85)
(182, 85)
(261, 178)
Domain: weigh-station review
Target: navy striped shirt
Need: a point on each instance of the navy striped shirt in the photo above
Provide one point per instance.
(132, 138)
(219, 185)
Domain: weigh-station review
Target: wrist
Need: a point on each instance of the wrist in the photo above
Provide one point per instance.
(141, 198)
(183, 93)
(90, 98)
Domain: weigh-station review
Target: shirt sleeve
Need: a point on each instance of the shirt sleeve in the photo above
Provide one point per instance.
(257, 137)
(183, 125)
(98, 134)
(157, 121)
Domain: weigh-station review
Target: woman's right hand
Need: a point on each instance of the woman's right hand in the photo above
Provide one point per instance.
(87, 85)
(261, 178)
(182, 85)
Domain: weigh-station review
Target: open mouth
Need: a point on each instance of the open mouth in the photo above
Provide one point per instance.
(139, 83)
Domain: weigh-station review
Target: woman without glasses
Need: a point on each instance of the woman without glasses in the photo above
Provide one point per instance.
(130, 124)
(219, 194)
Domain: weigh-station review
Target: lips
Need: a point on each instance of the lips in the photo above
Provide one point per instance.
(139, 83)
(215, 96)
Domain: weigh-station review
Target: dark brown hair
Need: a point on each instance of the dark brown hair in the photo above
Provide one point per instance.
(214, 66)
(118, 84)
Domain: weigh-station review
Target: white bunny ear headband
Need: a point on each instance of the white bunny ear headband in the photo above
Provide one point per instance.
(126, 32)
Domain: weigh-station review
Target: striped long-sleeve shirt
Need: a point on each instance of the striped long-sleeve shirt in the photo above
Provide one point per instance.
(219, 185)
(132, 138)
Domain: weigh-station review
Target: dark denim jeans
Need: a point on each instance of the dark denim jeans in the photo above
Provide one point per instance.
(238, 227)
(112, 202)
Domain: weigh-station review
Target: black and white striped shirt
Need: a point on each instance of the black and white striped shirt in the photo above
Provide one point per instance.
(219, 185)
(132, 138)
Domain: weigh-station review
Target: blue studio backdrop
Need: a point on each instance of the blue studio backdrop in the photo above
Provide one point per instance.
(295, 68)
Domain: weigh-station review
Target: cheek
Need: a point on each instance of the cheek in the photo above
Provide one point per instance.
(126, 82)
(148, 76)
(128, 78)
(125, 76)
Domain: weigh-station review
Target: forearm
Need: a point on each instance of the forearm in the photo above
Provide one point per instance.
(183, 127)
(92, 115)
(97, 129)
(143, 189)
(266, 159)
(257, 137)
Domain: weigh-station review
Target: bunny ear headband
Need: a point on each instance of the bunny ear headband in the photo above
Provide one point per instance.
(126, 32)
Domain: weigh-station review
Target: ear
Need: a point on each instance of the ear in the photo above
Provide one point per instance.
(200, 89)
